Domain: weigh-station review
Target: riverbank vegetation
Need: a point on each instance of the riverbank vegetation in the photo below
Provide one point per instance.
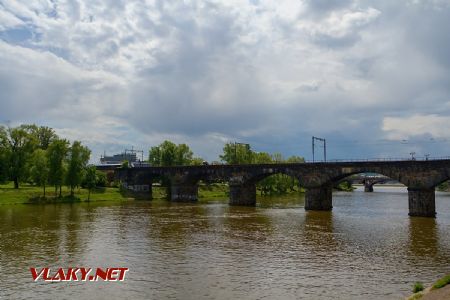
(36, 165)
(170, 154)
(32, 156)
(444, 187)
(436, 291)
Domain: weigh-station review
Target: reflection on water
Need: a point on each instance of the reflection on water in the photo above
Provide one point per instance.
(367, 248)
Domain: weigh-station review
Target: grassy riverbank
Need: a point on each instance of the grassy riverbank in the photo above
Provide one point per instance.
(440, 290)
(33, 194)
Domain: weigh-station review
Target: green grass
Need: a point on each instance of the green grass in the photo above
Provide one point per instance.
(33, 194)
(214, 190)
(441, 282)
(417, 287)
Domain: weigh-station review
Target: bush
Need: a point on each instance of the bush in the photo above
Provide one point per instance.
(100, 179)
(417, 287)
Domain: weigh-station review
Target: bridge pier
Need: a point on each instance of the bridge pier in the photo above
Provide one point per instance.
(421, 202)
(184, 192)
(319, 198)
(243, 194)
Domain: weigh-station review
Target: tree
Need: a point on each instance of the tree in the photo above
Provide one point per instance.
(275, 184)
(56, 154)
(39, 168)
(101, 179)
(170, 154)
(18, 144)
(197, 161)
(91, 179)
(78, 157)
(262, 158)
(43, 134)
(234, 153)
(183, 155)
(154, 156)
(295, 159)
(3, 156)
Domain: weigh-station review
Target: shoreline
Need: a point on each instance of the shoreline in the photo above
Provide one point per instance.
(31, 194)
(439, 290)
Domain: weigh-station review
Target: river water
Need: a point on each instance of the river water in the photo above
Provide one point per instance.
(366, 248)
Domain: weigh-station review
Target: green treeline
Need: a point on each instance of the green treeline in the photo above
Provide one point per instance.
(273, 185)
(37, 155)
(170, 154)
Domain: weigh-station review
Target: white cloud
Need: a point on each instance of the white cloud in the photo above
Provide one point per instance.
(417, 125)
(270, 72)
(8, 20)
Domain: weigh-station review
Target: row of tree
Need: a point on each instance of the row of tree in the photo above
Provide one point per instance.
(234, 153)
(170, 154)
(29, 153)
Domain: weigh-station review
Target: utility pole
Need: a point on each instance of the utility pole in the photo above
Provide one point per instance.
(412, 155)
(324, 147)
(132, 151)
(426, 156)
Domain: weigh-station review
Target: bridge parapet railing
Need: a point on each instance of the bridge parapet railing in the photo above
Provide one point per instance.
(423, 158)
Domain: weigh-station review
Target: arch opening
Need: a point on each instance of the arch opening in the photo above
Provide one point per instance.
(276, 183)
(366, 179)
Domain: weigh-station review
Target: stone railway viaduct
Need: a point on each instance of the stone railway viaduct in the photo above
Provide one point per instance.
(420, 177)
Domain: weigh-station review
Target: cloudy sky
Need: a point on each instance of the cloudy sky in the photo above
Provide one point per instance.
(372, 77)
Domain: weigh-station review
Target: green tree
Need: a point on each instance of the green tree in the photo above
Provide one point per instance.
(101, 179)
(234, 153)
(18, 145)
(43, 134)
(197, 161)
(170, 154)
(262, 158)
(56, 155)
(154, 156)
(3, 156)
(277, 183)
(39, 168)
(295, 159)
(78, 157)
(91, 179)
(183, 155)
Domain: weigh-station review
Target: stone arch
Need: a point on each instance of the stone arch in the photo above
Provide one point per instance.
(397, 176)
(368, 183)
(260, 181)
(271, 172)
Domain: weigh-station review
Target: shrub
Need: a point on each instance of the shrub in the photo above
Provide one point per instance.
(417, 287)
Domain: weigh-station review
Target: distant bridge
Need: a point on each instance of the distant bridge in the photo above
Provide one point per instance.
(421, 178)
(367, 180)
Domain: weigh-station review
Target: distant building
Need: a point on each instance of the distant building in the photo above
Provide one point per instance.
(118, 158)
